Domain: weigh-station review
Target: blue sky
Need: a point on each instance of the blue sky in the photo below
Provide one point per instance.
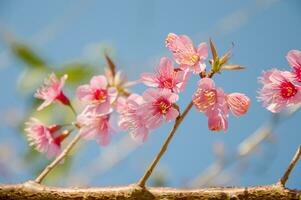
(262, 32)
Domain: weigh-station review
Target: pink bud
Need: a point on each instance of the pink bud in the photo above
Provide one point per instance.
(238, 103)
(218, 122)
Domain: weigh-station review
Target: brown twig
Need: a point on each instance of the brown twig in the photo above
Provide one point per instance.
(58, 159)
(178, 121)
(291, 166)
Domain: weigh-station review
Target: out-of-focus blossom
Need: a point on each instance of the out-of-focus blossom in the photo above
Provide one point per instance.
(158, 107)
(186, 55)
(97, 93)
(278, 90)
(119, 81)
(131, 118)
(166, 77)
(238, 103)
(52, 91)
(46, 139)
(294, 59)
(95, 124)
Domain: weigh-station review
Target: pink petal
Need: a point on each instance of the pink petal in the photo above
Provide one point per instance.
(172, 114)
(202, 51)
(44, 105)
(165, 67)
(149, 79)
(150, 94)
(294, 58)
(140, 134)
(217, 122)
(206, 84)
(98, 82)
(154, 121)
(83, 92)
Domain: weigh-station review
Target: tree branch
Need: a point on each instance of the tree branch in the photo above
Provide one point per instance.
(177, 123)
(32, 191)
(58, 159)
(291, 166)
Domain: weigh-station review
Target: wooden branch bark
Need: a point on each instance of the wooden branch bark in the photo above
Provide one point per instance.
(31, 190)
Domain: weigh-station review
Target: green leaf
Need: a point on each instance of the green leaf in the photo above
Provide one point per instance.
(77, 72)
(27, 55)
(31, 78)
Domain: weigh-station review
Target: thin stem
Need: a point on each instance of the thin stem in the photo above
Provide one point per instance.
(291, 166)
(178, 121)
(73, 110)
(58, 159)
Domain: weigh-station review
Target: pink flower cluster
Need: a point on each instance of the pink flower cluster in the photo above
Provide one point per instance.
(216, 104)
(138, 114)
(48, 139)
(281, 89)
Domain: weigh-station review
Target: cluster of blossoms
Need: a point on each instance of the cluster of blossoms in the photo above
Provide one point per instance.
(139, 114)
(281, 89)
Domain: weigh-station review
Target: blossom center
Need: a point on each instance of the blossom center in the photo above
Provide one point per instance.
(166, 82)
(194, 58)
(210, 96)
(100, 95)
(162, 105)
(288, 90)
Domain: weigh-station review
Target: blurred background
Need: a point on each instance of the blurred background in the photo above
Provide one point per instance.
(38, 37)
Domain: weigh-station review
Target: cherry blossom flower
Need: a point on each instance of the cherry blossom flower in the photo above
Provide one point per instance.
(208, 99)
(186, 55)
(95, 124)
(46, 139)
(238, 103)
(131, 118)
(166, 77)
(158, 107)
(52, 91)
(278, 90)
(97, 93)
(294, 59)
(216, 104)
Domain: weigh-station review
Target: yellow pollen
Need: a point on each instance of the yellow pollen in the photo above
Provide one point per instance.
(210, 97)
(194, 58)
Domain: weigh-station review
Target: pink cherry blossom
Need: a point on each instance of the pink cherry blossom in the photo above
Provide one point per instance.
(218, 122)
(279, 90)
(95, 124)
(45, 139)
(207, 99)
(294, 59)
(97, 93)
(186, 55)
(238, 103)
(216, 104)
(52, 91)
(131, 119)
(158, 107)
(166, 77)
